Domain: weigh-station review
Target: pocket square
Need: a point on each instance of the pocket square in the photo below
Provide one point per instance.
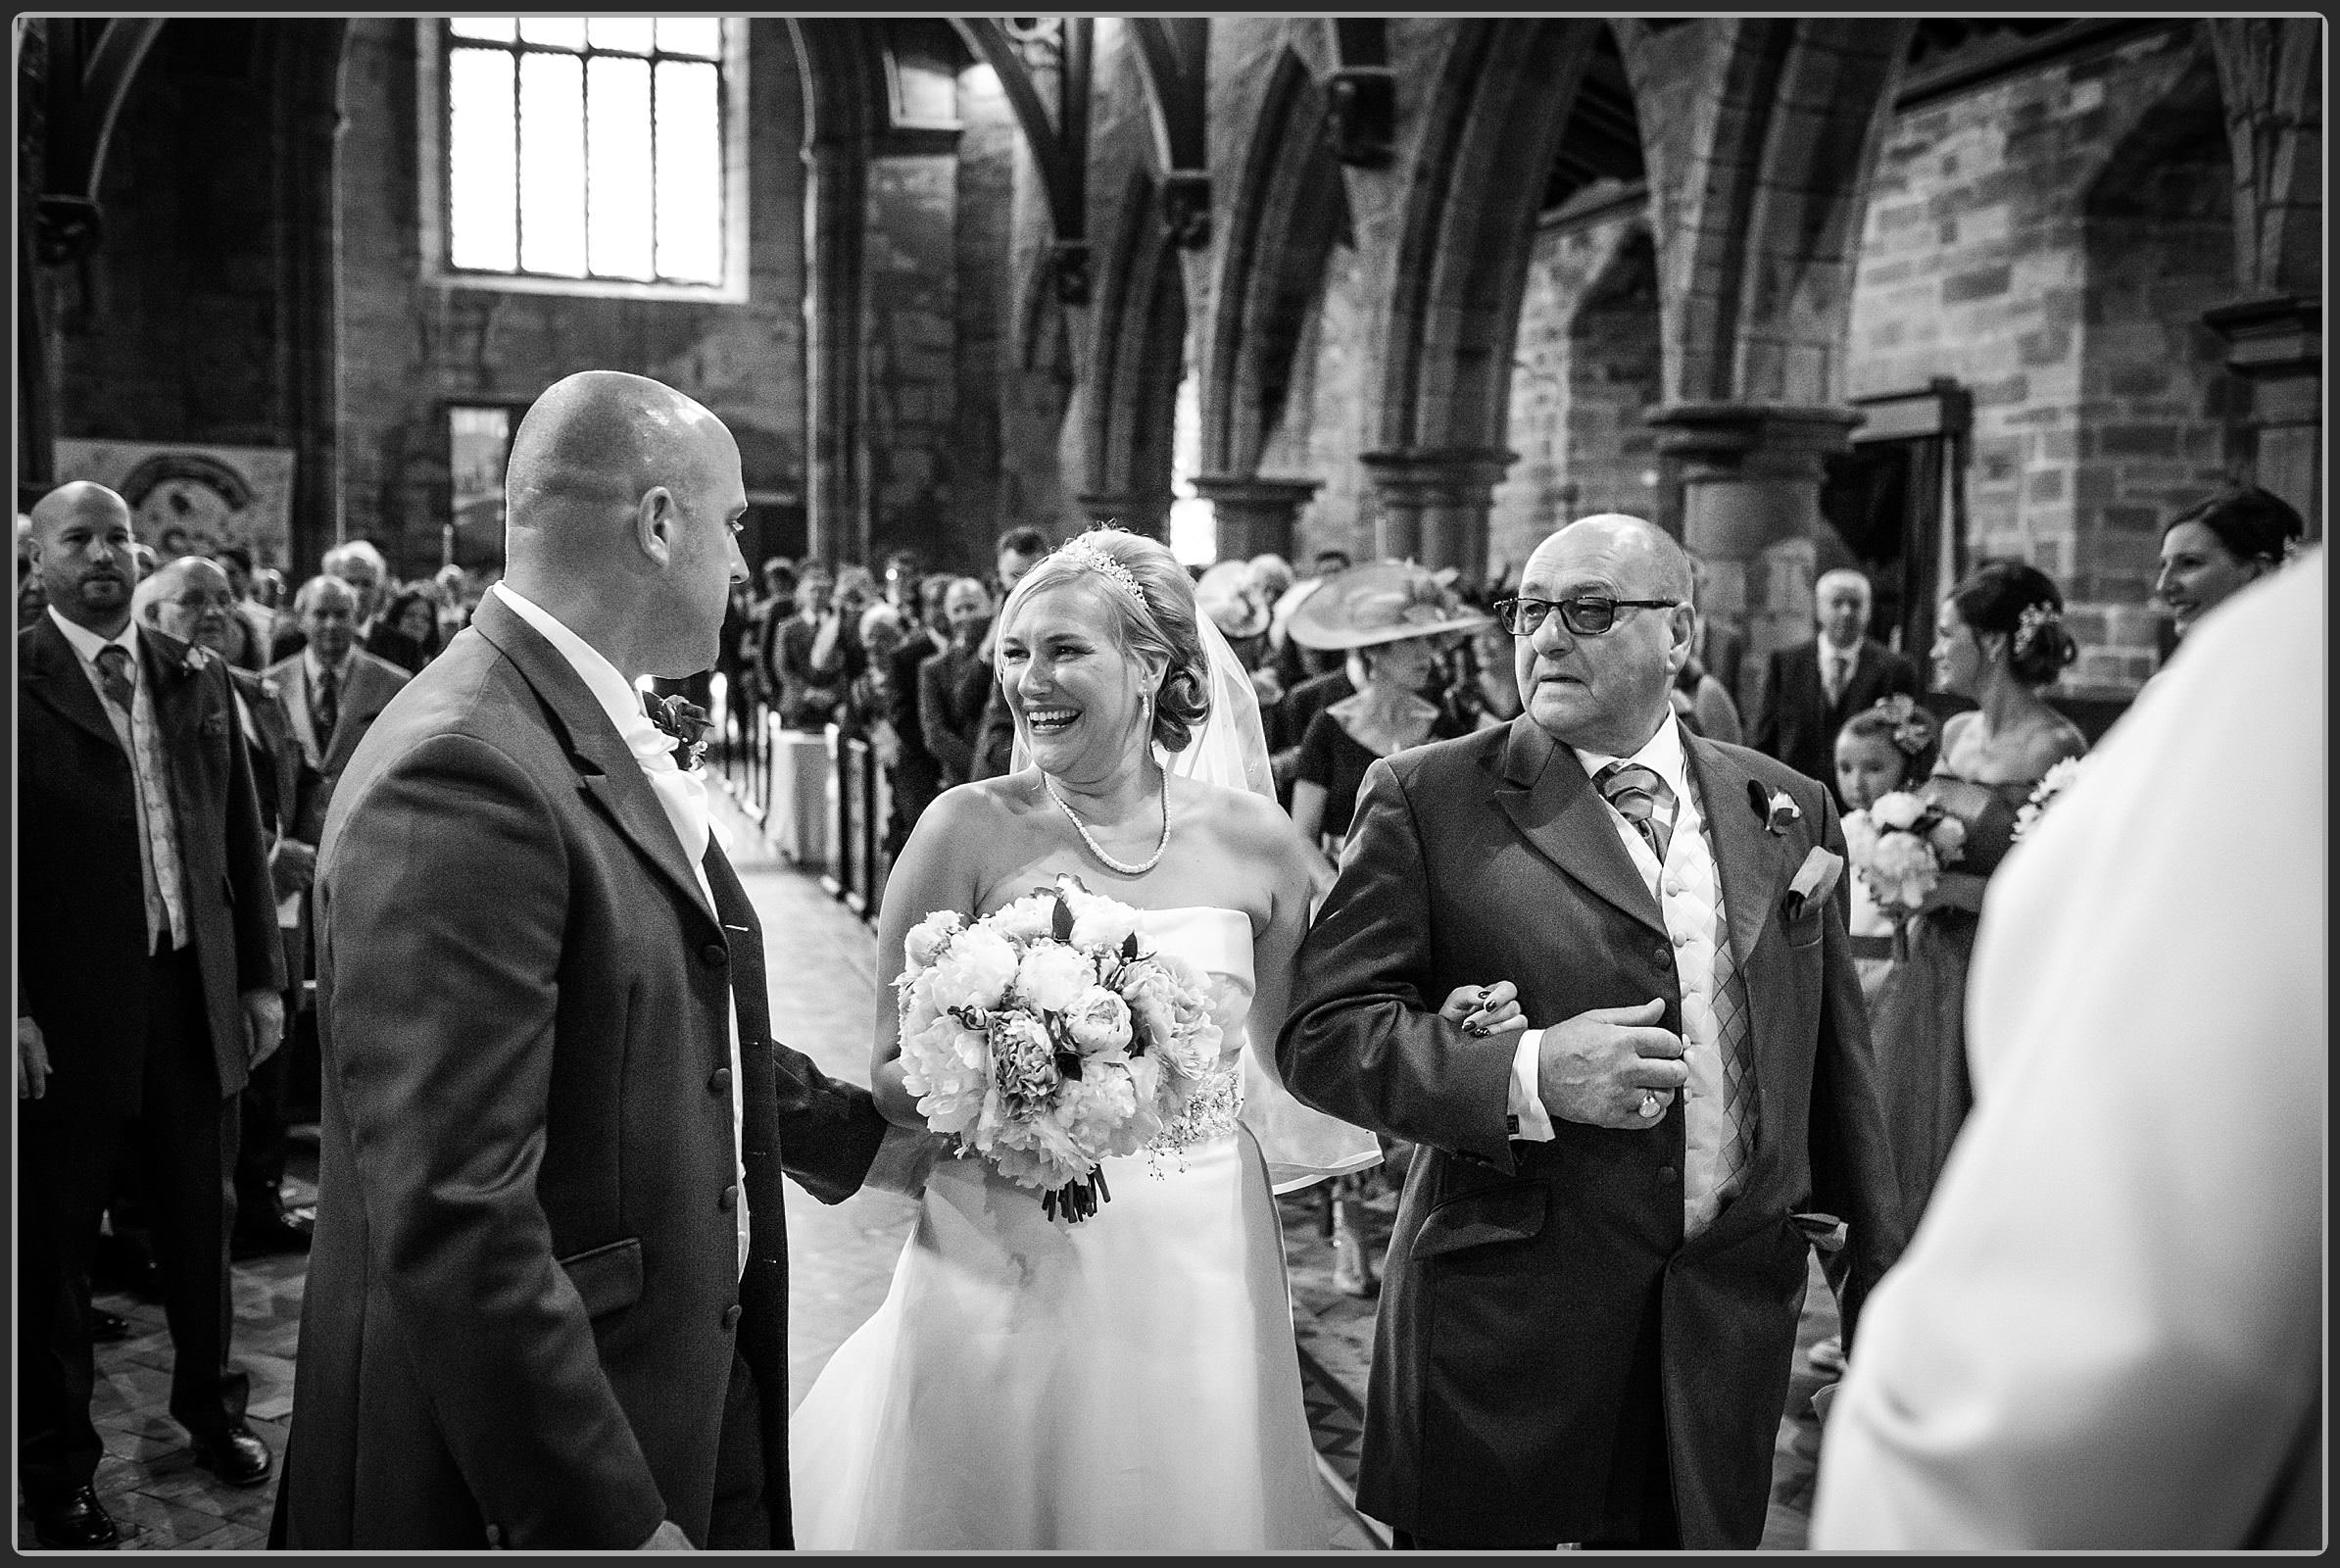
(1814, 881)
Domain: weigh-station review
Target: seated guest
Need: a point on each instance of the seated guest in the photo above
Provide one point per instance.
(1811, 689)
(2213, 551)
(955, 684)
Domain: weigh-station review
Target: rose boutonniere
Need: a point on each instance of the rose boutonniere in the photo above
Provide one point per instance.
(196, 658)
(687, 723)
(1775, 808)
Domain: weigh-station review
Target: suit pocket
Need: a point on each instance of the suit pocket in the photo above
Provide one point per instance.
(1512, 1213)
(609, 1277)
(1803, 930)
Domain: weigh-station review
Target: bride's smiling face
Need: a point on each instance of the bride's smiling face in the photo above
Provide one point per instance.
(1075, 692)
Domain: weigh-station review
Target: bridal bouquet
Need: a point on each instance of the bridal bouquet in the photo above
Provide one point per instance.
(1899, 846)
(1046, 1037)
(2055, 782)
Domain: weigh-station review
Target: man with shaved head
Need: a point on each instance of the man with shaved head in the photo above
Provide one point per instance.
(149, 979)
(546, 1300)
(1811, 689)
(1590, 1301)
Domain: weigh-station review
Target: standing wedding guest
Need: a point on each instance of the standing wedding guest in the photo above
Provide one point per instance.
(406, 634)
(194, 601)
(255, 624)
(360, 565)
(1020, 549)
(2107, 1334)
(2213, 551)
(332, 688)
(1589, 1309)
(1487, 694)
(804, 696)
(955, 685)
(1718, 649)
(547, 1302)
(917, 776)
(1811, 689)
(1999, 638)
(149, 982)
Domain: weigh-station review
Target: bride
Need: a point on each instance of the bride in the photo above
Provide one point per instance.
(1128, 1381)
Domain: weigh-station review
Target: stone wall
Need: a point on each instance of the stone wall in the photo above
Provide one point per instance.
(2050, 240)
(412, 345)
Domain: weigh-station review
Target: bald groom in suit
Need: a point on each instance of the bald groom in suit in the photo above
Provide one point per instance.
(1590, 1307)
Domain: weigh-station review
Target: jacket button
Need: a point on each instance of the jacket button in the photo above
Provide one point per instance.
(720, 1082)
(731, 1318)
(1664, 955)
(716, 953)
(495, 1536)
(730, 1199)
(1665, 1173)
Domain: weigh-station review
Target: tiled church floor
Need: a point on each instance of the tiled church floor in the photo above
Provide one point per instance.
(824, 987)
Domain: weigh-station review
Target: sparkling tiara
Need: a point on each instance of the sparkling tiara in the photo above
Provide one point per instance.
(1103, 560)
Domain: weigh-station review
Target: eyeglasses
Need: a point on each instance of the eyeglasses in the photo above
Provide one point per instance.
(1589, 617)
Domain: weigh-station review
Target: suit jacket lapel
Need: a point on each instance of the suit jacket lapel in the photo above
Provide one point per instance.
(361, 700)
(1747, 853)
(173, 686)
(1554, 806)
(53, 672)
(610, 775)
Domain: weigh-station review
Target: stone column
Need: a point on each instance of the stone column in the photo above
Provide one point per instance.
(1431, 505)
(836, 480)
(1750, 480)
(1254, 515)
(1146, 515)
(2275, 344)
(312, 319)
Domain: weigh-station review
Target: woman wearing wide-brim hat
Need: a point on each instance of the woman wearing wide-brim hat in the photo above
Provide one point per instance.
(1390, 619)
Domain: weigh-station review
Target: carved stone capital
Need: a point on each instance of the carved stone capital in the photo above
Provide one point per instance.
(1749, 440)
(1443, 477)
(2280, 336)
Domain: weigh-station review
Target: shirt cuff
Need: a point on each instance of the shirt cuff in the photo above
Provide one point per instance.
(1529, 1120)
(904, 1158)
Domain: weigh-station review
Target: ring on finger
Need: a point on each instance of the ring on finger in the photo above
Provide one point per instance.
(1652, 1106)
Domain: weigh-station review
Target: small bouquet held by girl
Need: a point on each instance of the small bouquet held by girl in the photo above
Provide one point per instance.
(1046, 1037)
(1900, 846)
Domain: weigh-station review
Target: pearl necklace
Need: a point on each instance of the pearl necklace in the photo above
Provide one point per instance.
(1082, 829)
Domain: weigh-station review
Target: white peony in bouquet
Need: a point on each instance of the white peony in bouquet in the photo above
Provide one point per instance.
(2055, 782)
(1046, 1037)
(1899, 846)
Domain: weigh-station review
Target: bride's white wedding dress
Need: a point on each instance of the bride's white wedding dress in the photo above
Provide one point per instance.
(1128, 1383)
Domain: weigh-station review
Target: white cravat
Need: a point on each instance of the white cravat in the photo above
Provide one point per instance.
(1689, 891)
(683, 797)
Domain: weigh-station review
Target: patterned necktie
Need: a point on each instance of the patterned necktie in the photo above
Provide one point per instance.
(1643, 799)
(1837, 675)
(325, 710)
(114, 674)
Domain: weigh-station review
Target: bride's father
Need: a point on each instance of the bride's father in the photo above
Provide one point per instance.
(547, 1298)
(1589, 1306)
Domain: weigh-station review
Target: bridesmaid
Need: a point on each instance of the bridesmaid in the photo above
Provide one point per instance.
(1999, 639)
(2226, 543)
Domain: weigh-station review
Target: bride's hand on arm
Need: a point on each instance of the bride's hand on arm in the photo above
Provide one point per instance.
(1485, 1010)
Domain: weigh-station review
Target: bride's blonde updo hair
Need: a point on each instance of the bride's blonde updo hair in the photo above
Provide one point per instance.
(1152, 600)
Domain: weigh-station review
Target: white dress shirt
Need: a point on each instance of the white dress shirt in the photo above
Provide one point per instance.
(683, 796)
(1689, 891)
(2108, 1333)
(166, 907)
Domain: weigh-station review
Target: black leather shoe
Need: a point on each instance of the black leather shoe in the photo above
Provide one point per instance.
(267, 1238)
(105, 1328)
(76, 1522)
(235, 1457)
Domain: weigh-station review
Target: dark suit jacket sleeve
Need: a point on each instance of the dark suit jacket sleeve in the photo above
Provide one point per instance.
(935, 714)
(1852, 1163)
(259, 949)
(1764, 734)
(1363, 1040)
(440, 1051)
(902, 698)
(830, 1130)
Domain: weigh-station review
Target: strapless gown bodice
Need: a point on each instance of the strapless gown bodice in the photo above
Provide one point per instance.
(1129, 1383)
